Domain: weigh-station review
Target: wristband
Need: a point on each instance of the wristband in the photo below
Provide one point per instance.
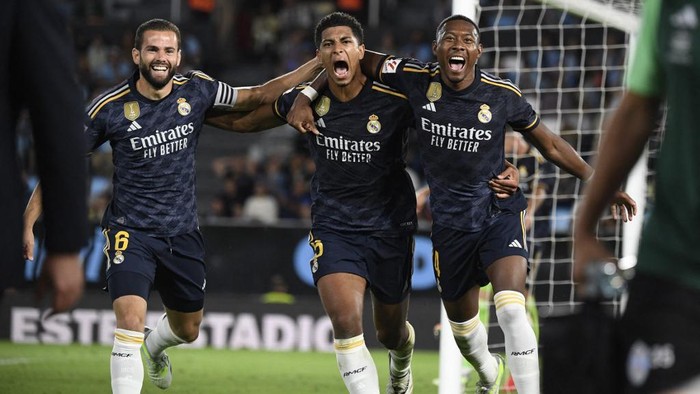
(310, 92)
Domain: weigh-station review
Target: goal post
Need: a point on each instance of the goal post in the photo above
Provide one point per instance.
(569, 59)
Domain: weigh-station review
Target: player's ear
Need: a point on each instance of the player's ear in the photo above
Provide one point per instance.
(435, 45)
(361, 48)
(179, 57)
(135, 56)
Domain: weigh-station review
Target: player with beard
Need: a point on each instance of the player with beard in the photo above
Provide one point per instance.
(153, 121)
(461, 114)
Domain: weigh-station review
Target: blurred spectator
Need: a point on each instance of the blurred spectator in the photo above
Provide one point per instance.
(261, 206)
(228, 203)
(418, 46)
(265, 32)
(279, 292)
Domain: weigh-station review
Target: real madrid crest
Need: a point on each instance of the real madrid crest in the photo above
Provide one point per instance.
(373, 126)
(484, 114)
(323, 105)
(132, 110)
(434, 91)
(183, 107)
(118, 257)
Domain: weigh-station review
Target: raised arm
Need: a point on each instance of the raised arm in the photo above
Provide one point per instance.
(250, 98)
(620, 148)
(370, 63)
(559, 152)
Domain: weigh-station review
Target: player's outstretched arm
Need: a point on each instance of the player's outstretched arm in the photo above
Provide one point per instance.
(620, 148)
(262, 118)
(559, 152)
(62, 273)
(31, 215)
(370, 63)
(250, 98)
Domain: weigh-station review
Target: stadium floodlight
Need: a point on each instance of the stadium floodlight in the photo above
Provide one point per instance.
(569, 58)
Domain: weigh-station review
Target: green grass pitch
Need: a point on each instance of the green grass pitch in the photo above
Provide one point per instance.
(75, 369)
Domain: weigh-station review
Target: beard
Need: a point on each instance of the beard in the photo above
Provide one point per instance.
(157, 84)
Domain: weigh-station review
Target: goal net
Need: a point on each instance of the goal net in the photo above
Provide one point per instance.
(569, 59)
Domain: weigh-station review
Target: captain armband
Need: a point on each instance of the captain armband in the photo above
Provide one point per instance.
(310, 92)
(226, 96)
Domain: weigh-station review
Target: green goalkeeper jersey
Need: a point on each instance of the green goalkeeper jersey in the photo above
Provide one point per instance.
(667, 65)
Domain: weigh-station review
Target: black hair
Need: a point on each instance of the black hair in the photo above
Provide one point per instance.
(451, 18)
(157, 25)
(339, 19)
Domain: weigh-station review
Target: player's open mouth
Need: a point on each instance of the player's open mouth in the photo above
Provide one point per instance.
(340, 68)
(457, 63)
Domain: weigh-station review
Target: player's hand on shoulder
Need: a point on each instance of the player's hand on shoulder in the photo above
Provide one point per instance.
(623, 207)
(301, 116)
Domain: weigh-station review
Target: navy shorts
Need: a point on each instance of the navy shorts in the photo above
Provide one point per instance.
(659, 334)
(386, 262)
(174, 266)
(460, 258)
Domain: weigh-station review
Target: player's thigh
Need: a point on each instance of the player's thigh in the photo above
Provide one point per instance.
(337, 252)
(130, 312)
(503, 252)
(456, 262)
(181, 273)
(390, 266)
(131, 264)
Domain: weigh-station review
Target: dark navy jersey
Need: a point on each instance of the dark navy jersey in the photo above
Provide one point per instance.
(360, 183)
(535, 172)
(153, 150)
(461, 138)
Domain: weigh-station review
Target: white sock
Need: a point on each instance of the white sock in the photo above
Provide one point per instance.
(356, 365)
(472, 340)
(521, 343)
(162, 337)
(400, 358)
(125, 363)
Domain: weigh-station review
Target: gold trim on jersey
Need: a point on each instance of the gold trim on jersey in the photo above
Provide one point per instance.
(124, 90)
(502, 85)
(388, 91)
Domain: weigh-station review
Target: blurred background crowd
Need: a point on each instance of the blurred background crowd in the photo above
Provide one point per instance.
(264, 177)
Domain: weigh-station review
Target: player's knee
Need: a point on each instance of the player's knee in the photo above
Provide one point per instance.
(511, 316)
(188, 332)
(391, 339)
(132, 322)
(346, 326)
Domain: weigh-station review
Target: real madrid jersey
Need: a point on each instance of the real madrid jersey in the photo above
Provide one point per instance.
(360, 183)
(461, 138)
(153, 150)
